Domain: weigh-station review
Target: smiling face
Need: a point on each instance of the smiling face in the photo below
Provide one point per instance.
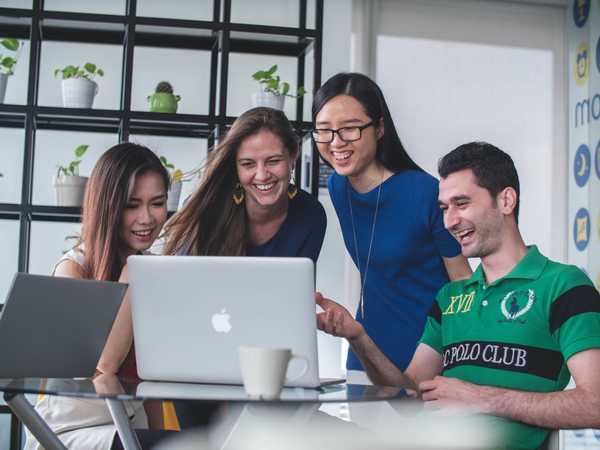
(145, 213)
(263, 167)
(351, 159)
(471, 214)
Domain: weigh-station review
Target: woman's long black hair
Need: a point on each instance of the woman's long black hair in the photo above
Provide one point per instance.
(390, 151)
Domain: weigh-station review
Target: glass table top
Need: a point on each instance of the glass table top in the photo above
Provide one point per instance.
(108, 386)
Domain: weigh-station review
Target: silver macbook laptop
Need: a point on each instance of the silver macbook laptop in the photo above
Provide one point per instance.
(191, 313)
(56, 327)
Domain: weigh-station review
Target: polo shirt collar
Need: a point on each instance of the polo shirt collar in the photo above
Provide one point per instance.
(530, 267)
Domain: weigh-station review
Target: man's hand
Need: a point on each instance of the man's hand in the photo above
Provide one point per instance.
(444, 392)
(336, 320)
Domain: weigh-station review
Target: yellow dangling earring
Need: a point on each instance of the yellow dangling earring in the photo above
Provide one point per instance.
(238, 194)
(292, 190)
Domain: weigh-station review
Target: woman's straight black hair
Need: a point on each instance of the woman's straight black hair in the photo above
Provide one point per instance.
(390, 151)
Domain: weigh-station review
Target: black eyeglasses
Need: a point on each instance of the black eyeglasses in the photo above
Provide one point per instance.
(346, 134)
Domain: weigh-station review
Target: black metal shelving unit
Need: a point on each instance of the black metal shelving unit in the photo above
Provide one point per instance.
(220, 37)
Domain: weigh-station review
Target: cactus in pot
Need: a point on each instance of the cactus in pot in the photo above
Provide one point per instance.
(163, 100)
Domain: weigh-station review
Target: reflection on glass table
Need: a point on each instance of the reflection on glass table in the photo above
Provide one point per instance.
(130, 389)
(302, 403)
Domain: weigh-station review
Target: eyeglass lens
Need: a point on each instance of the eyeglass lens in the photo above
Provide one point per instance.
(347, 134)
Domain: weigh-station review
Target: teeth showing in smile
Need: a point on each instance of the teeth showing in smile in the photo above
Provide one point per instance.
(143, 233)
(264, 187)
(340, 156)
(463, 234)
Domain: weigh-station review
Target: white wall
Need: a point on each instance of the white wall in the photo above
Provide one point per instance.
(458, 71)
(331, 266)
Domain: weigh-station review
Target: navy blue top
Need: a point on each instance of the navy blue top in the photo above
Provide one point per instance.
(406, 268)
(300, 234)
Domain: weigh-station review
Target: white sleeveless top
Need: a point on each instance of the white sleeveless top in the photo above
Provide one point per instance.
(82, 423)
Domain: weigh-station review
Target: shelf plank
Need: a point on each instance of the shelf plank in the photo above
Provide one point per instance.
(49, 16)
(263, 47)
(55, 213)
(175, 23)
(12, 211)
(77, 112)
(268, 29)
(77, 119)
(175, 40)
(90, 35)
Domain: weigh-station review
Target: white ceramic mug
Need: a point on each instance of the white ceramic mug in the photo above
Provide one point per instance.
(264, 369)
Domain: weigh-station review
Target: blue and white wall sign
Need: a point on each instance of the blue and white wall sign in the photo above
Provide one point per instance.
(582, 63)
(581, 12)
(582, 165)
(581, 229)
(597, 160)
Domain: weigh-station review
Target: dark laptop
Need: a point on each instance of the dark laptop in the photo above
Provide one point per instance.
(56, 327)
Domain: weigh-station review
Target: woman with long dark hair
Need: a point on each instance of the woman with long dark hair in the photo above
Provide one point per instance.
(124, 211)
(246, 205)
(389, 214)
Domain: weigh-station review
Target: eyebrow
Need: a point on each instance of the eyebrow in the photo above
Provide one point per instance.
(455, 199)
(348, 121)
(277, 155)
(156, 197)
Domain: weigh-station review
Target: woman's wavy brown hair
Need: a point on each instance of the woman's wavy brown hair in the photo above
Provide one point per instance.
(106, 196)
(210, 223)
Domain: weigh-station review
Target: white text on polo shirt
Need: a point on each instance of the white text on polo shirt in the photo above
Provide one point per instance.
(460, 303)
(502, 355)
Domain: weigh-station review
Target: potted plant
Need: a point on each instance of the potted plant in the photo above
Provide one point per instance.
(163, 99)
(78, 85)
(274, 91)
(177, 178)
(7, 62)
(69, 186)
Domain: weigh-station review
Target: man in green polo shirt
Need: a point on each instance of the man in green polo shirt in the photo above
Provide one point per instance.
(506, 340)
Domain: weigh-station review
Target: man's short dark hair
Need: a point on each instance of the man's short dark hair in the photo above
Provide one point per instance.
(494, 170)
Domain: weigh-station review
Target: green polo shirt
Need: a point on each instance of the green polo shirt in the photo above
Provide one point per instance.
(517, 332)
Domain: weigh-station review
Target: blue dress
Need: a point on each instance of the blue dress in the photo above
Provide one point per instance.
(406, 268)
(300, 234)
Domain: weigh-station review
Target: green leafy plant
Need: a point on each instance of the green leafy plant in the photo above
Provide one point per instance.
(176, 174)
(89, 72)
(273, 84)
(72, 168)
(8, 62)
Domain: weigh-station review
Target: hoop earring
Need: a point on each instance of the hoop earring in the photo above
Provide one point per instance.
(238, 194)
(292, 190)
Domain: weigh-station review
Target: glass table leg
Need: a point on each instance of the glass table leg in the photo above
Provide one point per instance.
(33, 421)
(126, 432)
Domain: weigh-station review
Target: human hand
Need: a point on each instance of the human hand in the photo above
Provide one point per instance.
(443, 392)
(336, 320)
(107, 384)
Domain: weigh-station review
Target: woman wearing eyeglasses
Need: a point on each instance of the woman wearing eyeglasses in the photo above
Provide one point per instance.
(389, 214)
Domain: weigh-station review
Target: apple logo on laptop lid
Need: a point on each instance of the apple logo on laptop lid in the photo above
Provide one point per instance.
(220, 322)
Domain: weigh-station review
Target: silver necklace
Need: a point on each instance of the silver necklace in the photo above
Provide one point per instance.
(364, 279)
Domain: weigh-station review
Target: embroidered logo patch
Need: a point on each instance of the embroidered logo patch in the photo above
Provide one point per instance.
(460, 303)
(515, 304)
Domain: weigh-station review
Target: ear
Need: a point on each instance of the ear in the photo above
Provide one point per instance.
(380, 129)
(507, 200)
